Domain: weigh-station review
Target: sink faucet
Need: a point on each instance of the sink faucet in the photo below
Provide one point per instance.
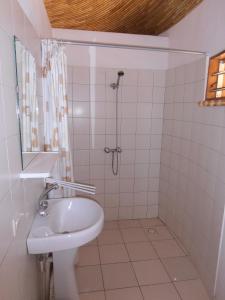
(43, 203)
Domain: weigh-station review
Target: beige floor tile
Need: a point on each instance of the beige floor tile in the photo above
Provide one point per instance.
(167, 248)
(180, 268)
(118, 276)
(110, 237)
(141, 251)
(150, 272)
(160, 292)
(134, 235)
(179, 243)
(89, 279)
(93, 296)
(129, 223)
(111, 225)
(113, 253)
(88, 256)
(146, 223)
(158, 233)
(124, 294)
(191, 290)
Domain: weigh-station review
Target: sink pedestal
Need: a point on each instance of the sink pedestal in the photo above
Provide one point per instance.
(65, 285)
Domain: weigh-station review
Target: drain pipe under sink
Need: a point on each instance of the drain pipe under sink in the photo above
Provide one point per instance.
(45, 264)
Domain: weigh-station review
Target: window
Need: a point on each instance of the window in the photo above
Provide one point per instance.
(215, 89)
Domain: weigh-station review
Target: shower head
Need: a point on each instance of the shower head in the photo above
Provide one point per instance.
(116, 85)
(120, 73)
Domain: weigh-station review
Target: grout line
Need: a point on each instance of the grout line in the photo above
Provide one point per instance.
(133, 269)
(130, 262)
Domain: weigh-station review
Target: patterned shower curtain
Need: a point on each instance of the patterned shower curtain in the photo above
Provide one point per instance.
(29, 100)
(56, 133)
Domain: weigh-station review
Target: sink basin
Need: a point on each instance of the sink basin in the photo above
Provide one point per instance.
(70, 223)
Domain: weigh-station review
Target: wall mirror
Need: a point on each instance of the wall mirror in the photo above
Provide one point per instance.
(28, 102)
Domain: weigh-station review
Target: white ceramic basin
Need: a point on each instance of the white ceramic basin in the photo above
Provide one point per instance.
(70, 223)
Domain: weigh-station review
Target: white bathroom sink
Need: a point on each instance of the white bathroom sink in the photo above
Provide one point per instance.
(70, 223)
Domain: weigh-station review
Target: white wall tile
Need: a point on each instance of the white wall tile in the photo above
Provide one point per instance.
(81, 126)
(17, 200)
(98, 75)
(145, 93)
(129, 93)
(81, 157)
(126, 212)
(7, 64)
(143, 126)
(192, 170)
(144, 110)
(159, 78)
(139, 212)
(98, 110)
(128, 110)
(130, 77)
(128, 141)
(6, 228)
(4, 170)
(145, 77)
(142, 141)
(141, 170)
(157, 110)
(128, 126)
(111, 213)
(98, 126)
(81, 92)
(158, 94)
(9, 107)
(81, 142)
(81, 75)
(81, 109)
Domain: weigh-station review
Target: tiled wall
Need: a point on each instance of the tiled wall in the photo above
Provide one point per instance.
(134, 192)
(18, 270)
(192, 184)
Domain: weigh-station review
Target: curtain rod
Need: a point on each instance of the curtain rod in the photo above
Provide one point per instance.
(126, 46)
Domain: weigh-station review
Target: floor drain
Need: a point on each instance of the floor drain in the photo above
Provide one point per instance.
(152, 231)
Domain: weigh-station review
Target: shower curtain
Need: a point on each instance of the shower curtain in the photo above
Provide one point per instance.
(29, 100)
(56, 133)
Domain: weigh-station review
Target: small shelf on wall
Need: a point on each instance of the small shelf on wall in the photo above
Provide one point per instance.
(215, 89)
(41, 166)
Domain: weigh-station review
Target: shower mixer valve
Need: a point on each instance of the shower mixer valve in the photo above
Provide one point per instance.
(109, 150)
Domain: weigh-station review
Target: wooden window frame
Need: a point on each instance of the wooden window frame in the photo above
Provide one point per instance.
(215, 88)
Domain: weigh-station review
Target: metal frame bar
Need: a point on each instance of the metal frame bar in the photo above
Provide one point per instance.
(126, 46)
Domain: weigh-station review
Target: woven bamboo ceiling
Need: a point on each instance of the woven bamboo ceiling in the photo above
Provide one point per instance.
(126, 16)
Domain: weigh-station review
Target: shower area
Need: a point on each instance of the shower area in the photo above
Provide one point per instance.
(121, 119)
(116, 120)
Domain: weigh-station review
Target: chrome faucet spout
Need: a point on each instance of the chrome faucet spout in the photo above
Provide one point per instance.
(43, 203)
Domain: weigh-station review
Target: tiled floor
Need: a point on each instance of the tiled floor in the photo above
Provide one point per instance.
(136, 260)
